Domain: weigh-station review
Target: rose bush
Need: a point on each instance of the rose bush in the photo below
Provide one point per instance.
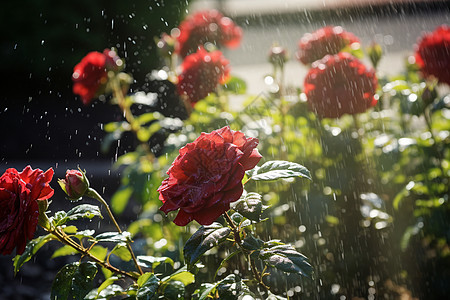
(201, 72)
(207, 176)
(207, 26)
(432, 54)
(340, 84)
(19, 211)
(90, 74)
(326, 40)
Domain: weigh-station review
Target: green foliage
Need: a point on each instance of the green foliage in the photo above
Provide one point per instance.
(148, 285)
(236, 85)
(204, 239)
(81, 211)
(273, 170)
(74, 281)
(285, 258)
(113, 237)
(250, 206)
(32, 247)
(231, 287)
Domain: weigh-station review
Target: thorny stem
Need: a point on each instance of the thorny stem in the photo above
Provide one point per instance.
(93, 194)
(237, 239)
(85, 252)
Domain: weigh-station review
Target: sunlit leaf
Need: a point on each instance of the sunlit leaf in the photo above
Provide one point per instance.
(250, 206)
(152, 262)
(120, 198)
(181, 275)
(32, 247)
(113, 237)
(236, 85)
(87, 211)
(277, 169)
(64, 251)
(107, 283)
(121, 250)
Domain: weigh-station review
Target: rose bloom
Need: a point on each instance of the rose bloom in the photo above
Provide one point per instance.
(340, 84)
(327, 40)
(19, 211)
(207, 176)
(201, 72)
(433, 54)
(90, 75)
(207, 26)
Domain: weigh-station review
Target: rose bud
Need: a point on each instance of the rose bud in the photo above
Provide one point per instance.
(75, 185)
(375, 53)
(278, 56)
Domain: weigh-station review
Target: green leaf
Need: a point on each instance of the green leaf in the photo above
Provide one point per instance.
(85, 233)
(232, 287)
(122, 252)
(32, 247)
(152, 262)
(236, 86)
(64, 251)
(106, 283)
(174, 291)
(250, 206)
(203, 291)
(182, 275)
(251, 243)
(59, 218)
(99, 252)
(148, 284)
(113, 237)
(107, 293)
(239, 220)
(84, 211)
(120, 199)
(285, 258)
(74, 281)
(277, 169)
(204, 239)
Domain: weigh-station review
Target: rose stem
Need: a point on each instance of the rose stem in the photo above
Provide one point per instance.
(119, 95)
(93, 194)
(68, 241)
(237, 238)
(427, 116)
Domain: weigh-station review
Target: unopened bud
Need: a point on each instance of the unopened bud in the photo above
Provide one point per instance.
(75, 185)
(375, 53)
(278, 56)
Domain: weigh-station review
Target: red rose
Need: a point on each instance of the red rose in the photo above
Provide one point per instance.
(207, 26)
(327, 40)
(207, 176)
(433, 54)
(19, 212)
(340, 84)
(90, 75)
(75, 185)
(201, 72)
